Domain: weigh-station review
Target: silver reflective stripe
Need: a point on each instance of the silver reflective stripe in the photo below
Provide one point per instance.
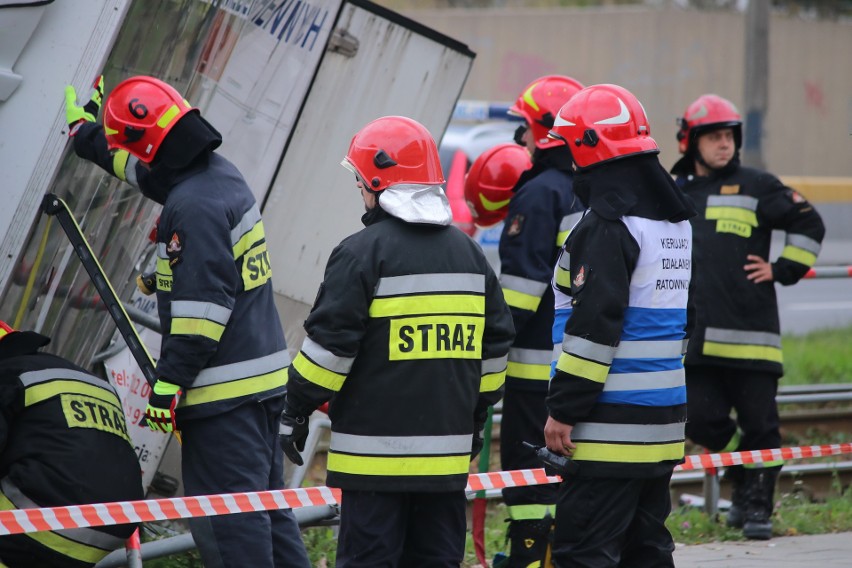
(741, 201)
(641, 433)
(530, 356)
(162, 252)
(242, 370)
(803, 242)
(588, 349)
(568, 221)
(85, 536)
(649, 349)
(31, 378)
(557, 351)
(645, 381)
(325, 358)
(130, 171)
(523, 285)
(200, 310)
(740, 337)
(400, 445)
(564, 260)
(419, 283)
(684, 346)
(494, 365)
(246, 224)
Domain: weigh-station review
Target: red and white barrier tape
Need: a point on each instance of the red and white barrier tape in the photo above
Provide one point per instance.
(102, 514)
(706, 461)
(78, 516)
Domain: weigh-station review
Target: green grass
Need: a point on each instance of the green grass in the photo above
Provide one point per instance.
(819, 357)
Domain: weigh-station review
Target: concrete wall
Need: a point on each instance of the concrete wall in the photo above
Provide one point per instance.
(668, 57)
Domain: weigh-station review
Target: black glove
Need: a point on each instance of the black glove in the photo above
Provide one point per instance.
(478, 440)
(292, 434)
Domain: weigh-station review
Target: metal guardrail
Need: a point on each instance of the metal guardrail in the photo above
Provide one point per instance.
(306, 516)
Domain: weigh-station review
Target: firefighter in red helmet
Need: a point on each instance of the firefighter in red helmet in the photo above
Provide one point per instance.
(489, 185)
(617, 398)
(409, 345)
(223, 362)
(734, 360)
(63, 441)
(540, 214)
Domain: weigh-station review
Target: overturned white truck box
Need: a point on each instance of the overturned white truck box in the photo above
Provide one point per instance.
(287, 82)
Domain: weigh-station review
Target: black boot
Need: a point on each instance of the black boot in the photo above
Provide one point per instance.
(760, 495)
(528, 542)
(736, 514)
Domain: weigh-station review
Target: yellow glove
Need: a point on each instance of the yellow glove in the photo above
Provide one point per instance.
(160, 412)
(76, 115)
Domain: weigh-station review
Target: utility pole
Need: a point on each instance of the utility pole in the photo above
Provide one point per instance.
(756, 96)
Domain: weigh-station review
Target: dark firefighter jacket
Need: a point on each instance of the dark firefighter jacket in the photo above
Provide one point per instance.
(408, 338)
(222, 338)
(619, 376)
(737, 320)
(63, 441)
(541, 213)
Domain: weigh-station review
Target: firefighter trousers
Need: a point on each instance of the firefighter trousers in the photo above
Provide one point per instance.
(238, 451)
(401, 530)
(608, 523)
(524, 415)
(711, 393)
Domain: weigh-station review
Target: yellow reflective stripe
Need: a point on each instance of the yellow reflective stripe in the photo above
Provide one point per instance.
(528, 97)
(520, 300)
(733, 443)
(119, 163)
(421, 304)
(246, 241)
(529, 512)
(733, 227)
(763, 465)
(168, 116)
(528, 371)
(398, 466)
(584, 368)
(729, 351)
(109, 131)
(732, 213)
(318, 375)
(492, 381)
(58, 543)
(163, 267)
(799, 255)
(628, 453)
(195, 326)
(44, 391)
(235, 389)
(563, 278)
(561, 236)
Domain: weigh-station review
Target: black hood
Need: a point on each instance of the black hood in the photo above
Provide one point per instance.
(22, 343)
(557, 158)
(637, 185)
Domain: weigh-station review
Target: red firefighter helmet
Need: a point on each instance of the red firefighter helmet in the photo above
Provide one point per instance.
(394, 150)
(539, 103)
(489, 183)
(138, 114)
(5, 329)
(706, 113)
(602, 123)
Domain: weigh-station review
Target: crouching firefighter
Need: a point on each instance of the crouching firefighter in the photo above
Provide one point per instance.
(63, 441)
